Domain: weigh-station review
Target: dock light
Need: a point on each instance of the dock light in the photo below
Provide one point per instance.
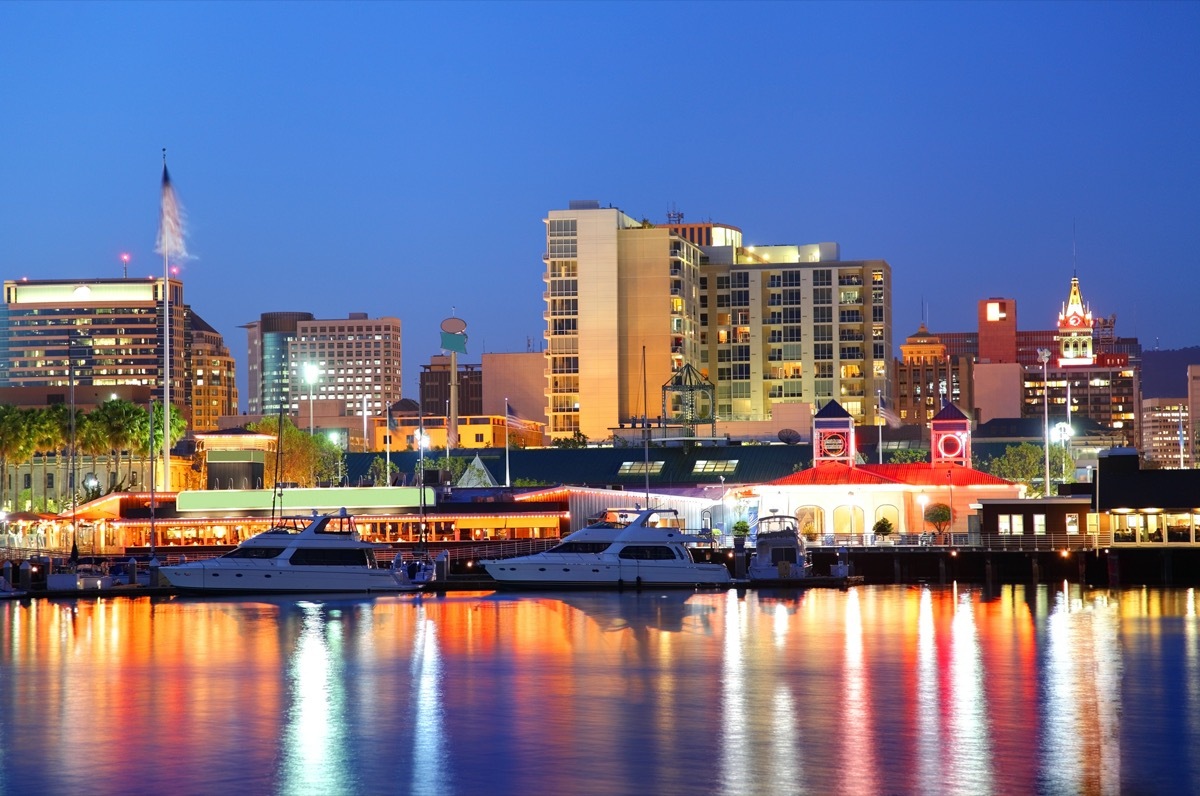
(954, 554)
(1065, 554)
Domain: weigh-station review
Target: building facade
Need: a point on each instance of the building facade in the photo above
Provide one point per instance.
(628, 304)
(435, 387)
(268, 381)
(352, 365)
(213, 382)
(108, 333)
(1166, 431)
(622, 308)
(795, 324)
(927, 377)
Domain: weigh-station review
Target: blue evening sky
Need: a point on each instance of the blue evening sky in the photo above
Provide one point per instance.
(397, 158)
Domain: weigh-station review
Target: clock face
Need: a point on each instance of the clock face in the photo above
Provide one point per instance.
(1074, 320)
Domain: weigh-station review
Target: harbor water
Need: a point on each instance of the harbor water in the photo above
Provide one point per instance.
(872, 690)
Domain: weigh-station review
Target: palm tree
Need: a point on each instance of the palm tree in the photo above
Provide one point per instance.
(48, 438)
(120, 422)
(11, 433)
(19, 430)
(90, 438)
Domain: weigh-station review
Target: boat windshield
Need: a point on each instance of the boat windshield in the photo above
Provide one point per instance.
(580, 547)
(648, 552)
(255, 552)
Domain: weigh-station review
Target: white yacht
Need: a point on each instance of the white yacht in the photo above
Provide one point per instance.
(622, 547)
(779, 551)
(318, 554)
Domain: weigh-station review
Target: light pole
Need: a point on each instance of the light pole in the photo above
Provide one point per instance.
(310, 378)
(923, 502)
(1044, 358)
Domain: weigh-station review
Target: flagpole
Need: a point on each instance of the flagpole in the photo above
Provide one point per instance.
(507, 472)
(166, 343)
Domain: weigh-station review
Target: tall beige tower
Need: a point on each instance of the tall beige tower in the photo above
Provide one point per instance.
(622, 300)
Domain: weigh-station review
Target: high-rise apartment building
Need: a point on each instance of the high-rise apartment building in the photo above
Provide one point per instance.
(110, 329)
(795, 324)
(353, 363)
(629, 303)
(622, 301)
(1166, 430)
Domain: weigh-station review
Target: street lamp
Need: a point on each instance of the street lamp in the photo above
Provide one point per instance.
(923, 502)
(1044, 358)
(310, 378)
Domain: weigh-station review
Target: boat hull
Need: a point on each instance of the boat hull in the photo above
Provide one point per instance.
(600, 575)
(199, 577)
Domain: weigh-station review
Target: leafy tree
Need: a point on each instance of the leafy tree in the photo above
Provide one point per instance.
(301, 454)
(938, 515)
(907, 456)
(382, 470)
(741, 528)
(883, 526)
(530, 482)
(576, 440)
(454, 466)
(1026, 464)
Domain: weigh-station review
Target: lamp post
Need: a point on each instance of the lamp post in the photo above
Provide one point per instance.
(310, 378)
(923, 502)
(950, 484)
(1044, 358)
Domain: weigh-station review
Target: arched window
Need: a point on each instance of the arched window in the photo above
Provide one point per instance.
(811, 521)
(890, 513)
(848, 520)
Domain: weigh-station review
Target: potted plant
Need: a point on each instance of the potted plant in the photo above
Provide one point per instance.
(741, 529)
(883, 528)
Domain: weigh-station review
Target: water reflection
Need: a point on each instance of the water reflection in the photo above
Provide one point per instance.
(882, 689)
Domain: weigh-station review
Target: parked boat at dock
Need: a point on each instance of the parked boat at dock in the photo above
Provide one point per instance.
(622, 547)
(318, 554)
(779, 551)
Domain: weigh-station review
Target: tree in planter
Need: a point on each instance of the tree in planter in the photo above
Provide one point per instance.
(938, 515)
(883, 527)
(741, 529)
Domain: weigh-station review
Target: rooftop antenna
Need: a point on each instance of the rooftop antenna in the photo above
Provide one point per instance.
(674, 216)
(125, 265)
(1074, 263)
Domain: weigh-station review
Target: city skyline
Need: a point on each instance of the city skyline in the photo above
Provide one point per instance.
(330, 164)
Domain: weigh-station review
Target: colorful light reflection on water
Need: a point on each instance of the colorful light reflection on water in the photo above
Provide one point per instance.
(939, 690)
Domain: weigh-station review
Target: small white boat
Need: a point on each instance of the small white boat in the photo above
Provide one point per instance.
(318, 554)
(623, 547)
(779, 551)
